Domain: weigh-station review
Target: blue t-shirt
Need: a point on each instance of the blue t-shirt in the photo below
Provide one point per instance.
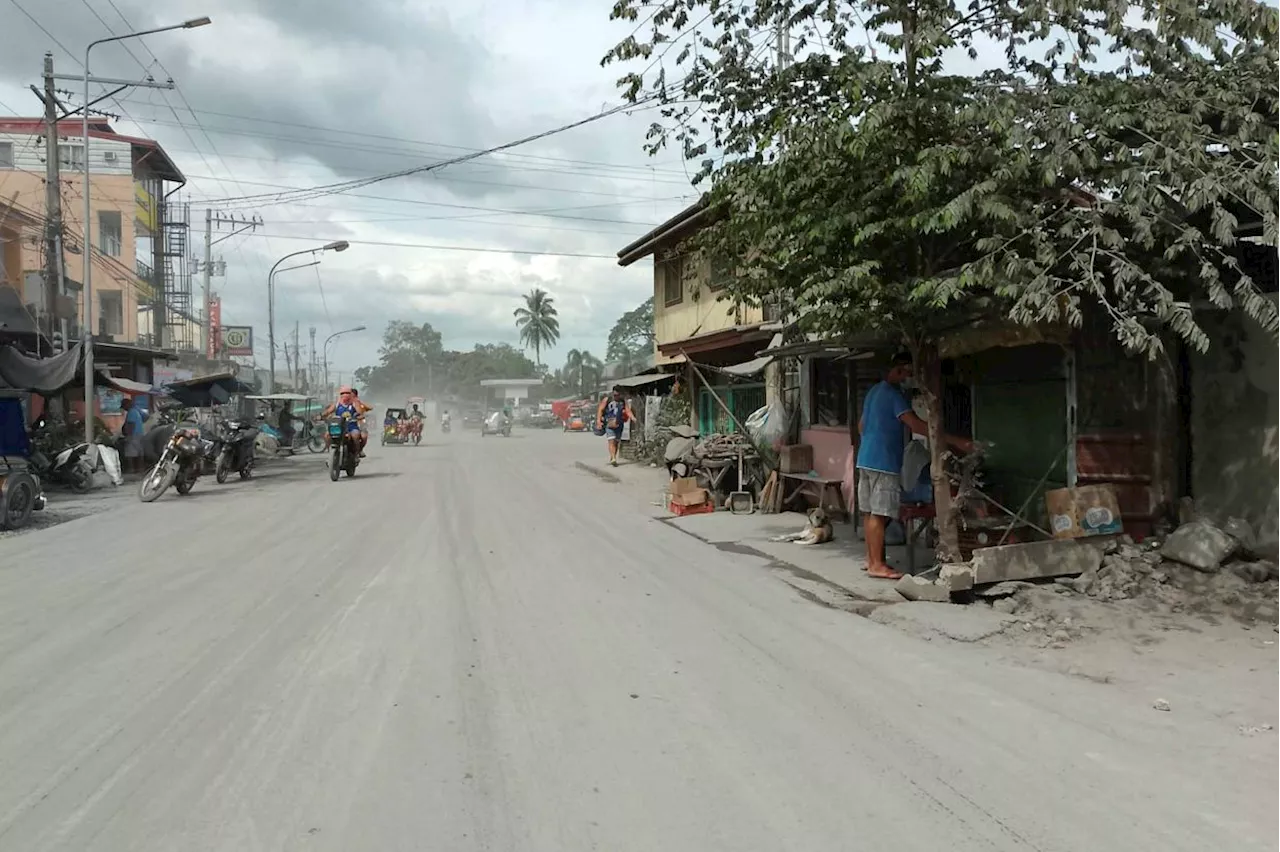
(134, 419)
(881, 446)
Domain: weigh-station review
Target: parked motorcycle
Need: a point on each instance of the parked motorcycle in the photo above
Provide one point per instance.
(345, 455)
(235, 452)
(180, 465)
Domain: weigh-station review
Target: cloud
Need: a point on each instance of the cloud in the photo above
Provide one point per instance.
(296, 94)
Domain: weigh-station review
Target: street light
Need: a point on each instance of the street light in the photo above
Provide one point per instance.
(88, 213)
(325, 351)
(337, 245)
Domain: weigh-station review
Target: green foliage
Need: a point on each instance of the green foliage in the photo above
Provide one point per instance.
(413, 361)
(631, 338)
(582, 373)
(538, 322)
(868, 187)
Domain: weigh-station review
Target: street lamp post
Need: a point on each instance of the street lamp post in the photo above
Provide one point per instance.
(87, 285)
(325, 351)
(340, 245)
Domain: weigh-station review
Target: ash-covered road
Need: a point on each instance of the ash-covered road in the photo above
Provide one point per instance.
(474, 646)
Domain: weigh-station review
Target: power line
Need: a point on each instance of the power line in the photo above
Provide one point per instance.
(383, 137)
(486, 210)
(481, 250)
(344, 186)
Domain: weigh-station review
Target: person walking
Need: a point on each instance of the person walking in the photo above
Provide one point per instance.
(880, 449)
(611, 415)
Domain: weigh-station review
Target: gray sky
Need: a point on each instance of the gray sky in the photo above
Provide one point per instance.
(295, 93)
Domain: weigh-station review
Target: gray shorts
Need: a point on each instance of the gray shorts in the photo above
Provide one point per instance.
(879, 493)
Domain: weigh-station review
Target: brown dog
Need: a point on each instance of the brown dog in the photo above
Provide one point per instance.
(817, 530)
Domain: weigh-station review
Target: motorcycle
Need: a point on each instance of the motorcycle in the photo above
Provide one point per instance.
(444, 427)
(72, 466)
(345, 456)
(180, 465)
(235, 453)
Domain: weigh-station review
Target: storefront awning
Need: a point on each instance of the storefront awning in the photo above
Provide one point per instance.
(641, 381)
(123, 385)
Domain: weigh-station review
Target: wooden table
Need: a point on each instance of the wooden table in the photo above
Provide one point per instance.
(816, 487)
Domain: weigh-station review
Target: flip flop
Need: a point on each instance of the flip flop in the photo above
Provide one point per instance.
(889, 574)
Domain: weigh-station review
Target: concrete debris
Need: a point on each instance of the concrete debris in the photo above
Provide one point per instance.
(1161, 704)
(1242, 531)
(1006, 605)
(1003, 590)
(1249, 730)
(1054, 558)
(1199, 544)
(921, 589)
(957, 577)
(1254, 572)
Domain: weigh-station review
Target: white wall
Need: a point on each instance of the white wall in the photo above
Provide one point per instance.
(28, 154)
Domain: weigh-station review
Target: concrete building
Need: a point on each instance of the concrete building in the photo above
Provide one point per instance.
(128, 230)
(512, 392)
(692, 320)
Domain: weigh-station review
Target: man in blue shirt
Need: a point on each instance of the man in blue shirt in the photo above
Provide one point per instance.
(884, 412)
(132, 430)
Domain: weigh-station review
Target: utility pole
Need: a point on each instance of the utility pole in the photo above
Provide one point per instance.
(53, 205)
(206, 327)
(238, 226)
(312, 364)
(297, 357)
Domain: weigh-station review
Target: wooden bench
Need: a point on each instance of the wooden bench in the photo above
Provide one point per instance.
(817, 488)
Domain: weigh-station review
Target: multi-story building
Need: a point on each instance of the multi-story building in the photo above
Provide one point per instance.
(138, 251)
(693, 320)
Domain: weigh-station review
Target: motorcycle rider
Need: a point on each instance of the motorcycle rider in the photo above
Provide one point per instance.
(361, 410)
(445, 419)
(349, 405)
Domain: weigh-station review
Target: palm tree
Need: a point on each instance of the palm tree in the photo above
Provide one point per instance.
(537, 322)
(582, 370)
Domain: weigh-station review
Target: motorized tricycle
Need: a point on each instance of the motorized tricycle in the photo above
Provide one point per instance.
(395, 429)
(496, 423)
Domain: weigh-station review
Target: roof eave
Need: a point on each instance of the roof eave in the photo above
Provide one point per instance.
(693, 216)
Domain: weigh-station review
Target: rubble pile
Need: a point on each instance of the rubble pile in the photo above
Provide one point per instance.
(1198, 568)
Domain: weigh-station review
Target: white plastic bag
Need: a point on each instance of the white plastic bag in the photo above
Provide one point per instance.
(767, 426)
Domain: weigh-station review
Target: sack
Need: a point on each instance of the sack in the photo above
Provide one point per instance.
(768, 425)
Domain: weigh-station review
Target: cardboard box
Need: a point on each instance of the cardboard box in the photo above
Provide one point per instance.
(796, 458)
(1081, 512)
(702, 509)
(686, 492)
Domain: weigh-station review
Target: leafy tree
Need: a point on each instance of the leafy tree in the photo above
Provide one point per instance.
(631, 338)
(538, 322)
(866, 187)
(582, 372)
(412, 360)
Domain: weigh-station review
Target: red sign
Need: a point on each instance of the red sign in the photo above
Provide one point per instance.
(215, 326)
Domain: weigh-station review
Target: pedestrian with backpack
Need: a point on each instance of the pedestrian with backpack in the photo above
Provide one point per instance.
(612, 414)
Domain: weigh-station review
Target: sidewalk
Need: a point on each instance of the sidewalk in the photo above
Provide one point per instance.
(837, 568)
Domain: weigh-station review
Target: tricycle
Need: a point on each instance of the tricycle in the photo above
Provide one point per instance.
(496, 423)
(395, 426)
